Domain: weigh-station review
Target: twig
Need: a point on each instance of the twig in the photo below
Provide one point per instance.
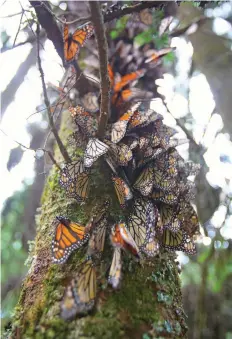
(29, 24)
(46, 101)
(97, 19)
(30, 40)
(35, 150)
(109, 16)
(132, 9)
(47, 19)
(77, 20)
(185, 130)
(12, 15)
(18, 28)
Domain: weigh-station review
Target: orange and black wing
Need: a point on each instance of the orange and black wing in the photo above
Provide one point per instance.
(68, 236)
(73, 43)
(126, 79)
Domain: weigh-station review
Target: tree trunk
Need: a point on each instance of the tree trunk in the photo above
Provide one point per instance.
(148, 304)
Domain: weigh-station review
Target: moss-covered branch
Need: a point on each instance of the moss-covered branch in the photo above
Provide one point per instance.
(148, 305)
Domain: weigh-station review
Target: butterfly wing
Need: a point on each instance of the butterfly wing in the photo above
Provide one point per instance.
(70, 172)
(79, 188)
(95, 148)
(97, 239)
(70, 48)
(137, 222)
(178, 241)
(115, 274)
(78, 138)
(170, 217)
(68, 305)
(84, 287)
(126, 79)
(90, 102)
(111, 75)
(122, 190)
(68, 236)
(166, 197)
(129, 243)
(72, 43)
(119, 127)
(124, 154)
(144, 183)
(84, 119)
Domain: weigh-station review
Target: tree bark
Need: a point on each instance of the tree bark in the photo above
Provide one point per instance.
(148, 304)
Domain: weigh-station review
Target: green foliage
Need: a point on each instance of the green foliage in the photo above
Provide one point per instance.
(119, 27)
(14, 252)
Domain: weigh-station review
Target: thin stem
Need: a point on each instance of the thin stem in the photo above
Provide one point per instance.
(18, 28)
(35, 150)
(47, 104)
(97, 20)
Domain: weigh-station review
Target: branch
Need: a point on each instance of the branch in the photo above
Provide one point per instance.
(35, 150)
(47, 19)
(47, 104)
(97, 19)
(48, 22)
(20, 21)
(132, 9)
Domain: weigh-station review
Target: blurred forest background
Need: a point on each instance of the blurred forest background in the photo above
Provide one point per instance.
(196, 82)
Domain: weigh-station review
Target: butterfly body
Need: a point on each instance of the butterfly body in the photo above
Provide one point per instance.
(121, 237)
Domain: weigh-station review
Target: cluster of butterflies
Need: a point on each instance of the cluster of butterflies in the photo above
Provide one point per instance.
(151, 185)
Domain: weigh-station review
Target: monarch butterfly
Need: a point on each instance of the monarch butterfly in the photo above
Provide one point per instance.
(170, 217)
(137, 222)
(100, 212)
(119, 127)
(73, 42)
(121, 237)
(77, 139)
(166, 197)
(126, 79)
(156, 55)
(135, 93)
(115, 274)
(68, 236)
(94, 149)
(188, 168)
(162, 180)
(85, 120)
(90, 102)
(97, 239)
(144, 182)
(178, 241)
(79, 296)
(122, 190)
(70, 172)
(79, 188)
(190, 223)
(124, 154)
(141, 118)
(68, 305)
